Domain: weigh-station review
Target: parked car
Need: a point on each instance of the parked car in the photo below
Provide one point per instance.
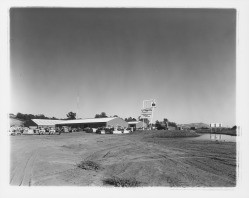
(65, 129)
(15, 132)
(127, 130)
(29, 132)
(42, 131)
(117, 132)
(109, 130)
(88, 130)
(94, 130)
(36, 131)
(73, 130)
(98, 131)
(52, 131)
(101, 130)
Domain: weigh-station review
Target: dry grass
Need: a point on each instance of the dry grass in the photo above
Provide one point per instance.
(89, 165)
(122, 182)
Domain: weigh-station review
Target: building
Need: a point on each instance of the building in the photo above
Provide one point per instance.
(137, 124)
(44, 123)
(94, 123)
(215, 125)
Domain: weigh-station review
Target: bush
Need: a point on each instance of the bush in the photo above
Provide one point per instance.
(89, 165)
(122, 182)
(160, 127)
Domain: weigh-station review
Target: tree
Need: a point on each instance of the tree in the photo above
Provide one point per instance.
(130, 119)
(173, 124)
(157, 124)
(102, 115)
(166, 122)
(115, 116)
(71, 116)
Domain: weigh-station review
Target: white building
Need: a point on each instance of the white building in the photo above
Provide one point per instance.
(216, 125)
(137, 124)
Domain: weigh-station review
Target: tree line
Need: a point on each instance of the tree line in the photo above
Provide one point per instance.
(71, 116)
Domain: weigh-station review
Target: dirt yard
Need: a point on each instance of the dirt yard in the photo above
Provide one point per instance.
(51, 160)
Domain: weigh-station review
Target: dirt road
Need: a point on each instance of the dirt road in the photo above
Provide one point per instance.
(50, 160)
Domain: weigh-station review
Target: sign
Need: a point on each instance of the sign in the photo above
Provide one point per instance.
(147, 111)
(145, 116)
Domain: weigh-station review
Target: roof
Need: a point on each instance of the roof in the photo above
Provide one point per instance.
(89, 120)
(134, 122)
(46, 121)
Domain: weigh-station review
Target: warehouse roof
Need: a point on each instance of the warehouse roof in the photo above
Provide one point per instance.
(134, 122)
(88, 120)
(46, 121)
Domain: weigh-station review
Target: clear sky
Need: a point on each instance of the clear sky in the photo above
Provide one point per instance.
(114, 58)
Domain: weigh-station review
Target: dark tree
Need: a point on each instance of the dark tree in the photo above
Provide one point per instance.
(102, 115)
(71, 116)
(166, 122)
(130, 119)
(173, 124)
(157, 124)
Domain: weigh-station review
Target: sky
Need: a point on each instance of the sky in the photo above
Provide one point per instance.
(109, 60)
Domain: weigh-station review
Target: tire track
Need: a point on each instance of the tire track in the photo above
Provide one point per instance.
(23, 172)
(27, 176)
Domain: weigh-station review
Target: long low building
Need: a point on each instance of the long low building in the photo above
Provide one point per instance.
(44, 123)
(94, 123)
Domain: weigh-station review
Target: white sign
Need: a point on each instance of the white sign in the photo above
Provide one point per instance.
(145, 116)
(147, 110)
(215, 125)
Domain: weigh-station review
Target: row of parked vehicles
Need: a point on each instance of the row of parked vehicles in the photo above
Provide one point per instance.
(34, 131)
(108, 130)
(66, 129)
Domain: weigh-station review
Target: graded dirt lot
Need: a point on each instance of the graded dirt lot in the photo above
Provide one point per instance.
(51, 160)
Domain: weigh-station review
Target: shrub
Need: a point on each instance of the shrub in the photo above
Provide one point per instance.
(89, 165)
(122, 182)
(160, 127)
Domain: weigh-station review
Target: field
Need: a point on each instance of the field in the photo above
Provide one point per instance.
(138, 159)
